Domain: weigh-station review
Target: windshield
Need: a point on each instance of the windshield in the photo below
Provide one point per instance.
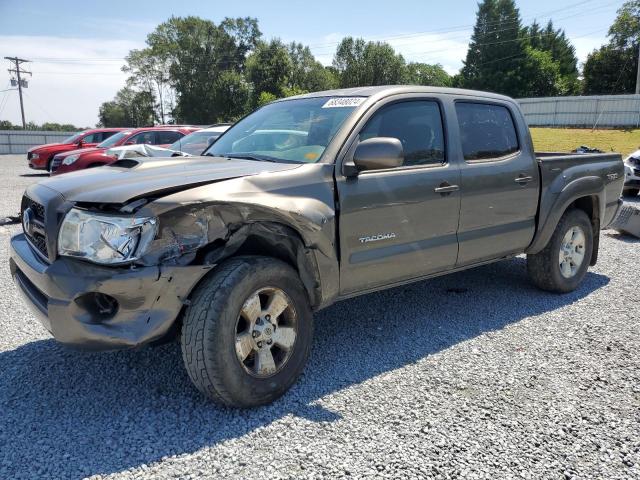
(288, 131)
(194, 143)
(73, 138)
(113, 139)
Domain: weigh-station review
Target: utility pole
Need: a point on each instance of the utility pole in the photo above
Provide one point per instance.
(638, 74)
(17, 70)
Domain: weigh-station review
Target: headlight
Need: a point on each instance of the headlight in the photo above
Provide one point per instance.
(35, 156)
(106, 239)
(70, 159)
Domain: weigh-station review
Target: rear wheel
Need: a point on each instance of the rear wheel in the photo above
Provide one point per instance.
(247, 333)
(563, 263)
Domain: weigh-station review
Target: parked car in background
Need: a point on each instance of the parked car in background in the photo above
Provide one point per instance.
(40, 157)
(97, 156)
(632, 174)
(198, 142)
(193, 144)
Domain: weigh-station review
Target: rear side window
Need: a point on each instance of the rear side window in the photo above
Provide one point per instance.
(146, 138)
(418, 126)
(106, 135)
(166, 138)
(486, 131)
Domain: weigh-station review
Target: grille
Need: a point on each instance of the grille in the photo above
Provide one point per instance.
(29, 155)
(636, 172)
(55, 163)
(37, 237)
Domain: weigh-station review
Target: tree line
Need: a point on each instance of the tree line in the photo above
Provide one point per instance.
(195, 71)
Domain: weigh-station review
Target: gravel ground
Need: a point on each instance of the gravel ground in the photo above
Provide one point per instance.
(453, 377)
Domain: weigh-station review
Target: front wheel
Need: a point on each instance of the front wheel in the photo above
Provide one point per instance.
(247, 333)
(563, 263)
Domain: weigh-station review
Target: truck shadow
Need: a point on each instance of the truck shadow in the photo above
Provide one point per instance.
(73, 414)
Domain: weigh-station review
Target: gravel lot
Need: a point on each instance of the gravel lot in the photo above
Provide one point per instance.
(476, 374)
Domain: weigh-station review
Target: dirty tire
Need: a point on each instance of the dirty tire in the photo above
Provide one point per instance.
(631, 192)
(544, 268)
(209, 331)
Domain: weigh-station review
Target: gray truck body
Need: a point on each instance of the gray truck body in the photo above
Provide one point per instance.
(345, 234)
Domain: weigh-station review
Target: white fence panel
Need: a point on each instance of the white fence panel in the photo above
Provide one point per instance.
(19, 141)
(613, 111)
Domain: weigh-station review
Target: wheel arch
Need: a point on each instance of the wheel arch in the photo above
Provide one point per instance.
(583, 194)
(269, 239)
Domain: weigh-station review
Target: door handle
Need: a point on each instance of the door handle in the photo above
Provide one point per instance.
(523, 178)
(445, 188)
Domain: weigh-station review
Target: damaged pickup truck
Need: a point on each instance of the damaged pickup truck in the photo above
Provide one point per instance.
(307, 201)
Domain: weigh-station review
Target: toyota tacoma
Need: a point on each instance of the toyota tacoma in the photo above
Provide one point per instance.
(307, 201)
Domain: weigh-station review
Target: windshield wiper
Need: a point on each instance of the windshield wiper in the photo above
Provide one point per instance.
(249, 156)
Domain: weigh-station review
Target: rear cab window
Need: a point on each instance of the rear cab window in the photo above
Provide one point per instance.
(487, 131)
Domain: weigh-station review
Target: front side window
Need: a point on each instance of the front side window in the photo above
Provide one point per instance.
(486, 131)
(418, 126)
(91, 138)
(73, 138)
(297, 130)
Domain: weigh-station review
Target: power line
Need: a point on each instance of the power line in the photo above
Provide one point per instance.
(469, 27)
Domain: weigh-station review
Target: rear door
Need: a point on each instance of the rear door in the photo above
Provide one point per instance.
(393, 223)
(499, 181)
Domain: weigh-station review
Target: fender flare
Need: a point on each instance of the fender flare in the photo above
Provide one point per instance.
(549, 215)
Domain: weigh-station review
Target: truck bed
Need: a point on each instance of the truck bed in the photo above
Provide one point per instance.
(558, 170)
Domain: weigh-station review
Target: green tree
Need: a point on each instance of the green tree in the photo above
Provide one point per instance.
(198, 53)
(359, 63)
(545, 79)
(149, 71)
(308, 74)
(612, 68)
(496, 58)
(130, 108)
(561, 51)
(425, 74)
(269, 69)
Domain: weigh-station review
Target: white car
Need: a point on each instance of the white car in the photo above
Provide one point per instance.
(632, 174)
(193, 144)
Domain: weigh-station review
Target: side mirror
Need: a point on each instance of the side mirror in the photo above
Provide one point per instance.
(376, 154)
(80, 143)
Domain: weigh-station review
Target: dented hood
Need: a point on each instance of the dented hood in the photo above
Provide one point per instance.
(127, 179)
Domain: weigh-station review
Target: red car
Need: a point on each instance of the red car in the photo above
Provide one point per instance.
(97, 156)
(40, 157)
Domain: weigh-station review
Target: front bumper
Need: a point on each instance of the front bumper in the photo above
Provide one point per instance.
(632, 176)
(39, 163)
(149, 299)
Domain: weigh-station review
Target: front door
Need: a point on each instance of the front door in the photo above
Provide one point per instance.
(398, 224)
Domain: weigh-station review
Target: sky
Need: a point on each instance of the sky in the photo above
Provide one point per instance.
(77, 48)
